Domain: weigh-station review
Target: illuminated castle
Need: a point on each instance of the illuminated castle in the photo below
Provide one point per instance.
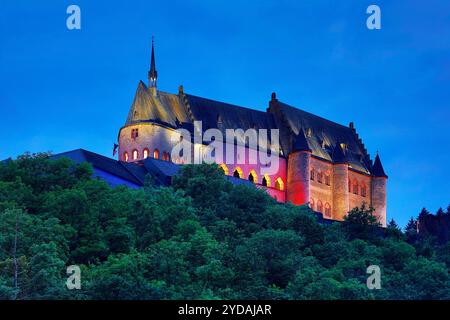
(321, 163)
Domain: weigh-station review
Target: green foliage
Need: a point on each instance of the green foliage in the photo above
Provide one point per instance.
(202, 238)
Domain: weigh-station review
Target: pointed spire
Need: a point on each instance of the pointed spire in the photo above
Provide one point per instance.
(152, 74)
(338, 154)
(377, 168)
(300, 143)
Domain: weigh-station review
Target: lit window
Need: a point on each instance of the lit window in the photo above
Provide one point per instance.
(265, 181)
(156, 154)
(125, 156)
(279, 184)
(146, 153)
(237, 173)
(224, 168)
(135, 154)
(252, 177)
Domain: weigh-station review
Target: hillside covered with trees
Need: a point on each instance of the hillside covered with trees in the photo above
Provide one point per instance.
(202, 238)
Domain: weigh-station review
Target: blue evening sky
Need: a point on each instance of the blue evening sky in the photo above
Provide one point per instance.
(62, 90)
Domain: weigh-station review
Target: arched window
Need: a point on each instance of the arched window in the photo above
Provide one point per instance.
(279, 184)
(319, 177)
(312, 174)
(349, 185)
(363, 190)
(146, 153)
(319, 206)
(355, 186)
(156, 154)
(311, 204)
(327, 210)
(165, 156)
(135, 154)
(265, 181)
(125, 156)
(253, 177)
(237, 173)
(327, 179)
(224, 169)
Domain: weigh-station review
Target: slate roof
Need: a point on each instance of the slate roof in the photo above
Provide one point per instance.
(164, 108)
(321, 135)
(216, 114)
(377, 168)
(100, 162)
(300, 143)
(136, 172)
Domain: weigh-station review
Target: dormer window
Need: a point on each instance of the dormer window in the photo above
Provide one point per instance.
(309, 132)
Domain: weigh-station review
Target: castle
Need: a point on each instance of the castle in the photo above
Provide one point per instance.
(321, 163)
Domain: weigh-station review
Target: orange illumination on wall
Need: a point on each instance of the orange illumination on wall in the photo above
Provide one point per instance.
(253, 177)
(224, 169)
(237, 173)
(279, 184)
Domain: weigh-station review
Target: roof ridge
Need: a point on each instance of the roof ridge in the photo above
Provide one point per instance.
(227, 103)
(314, 115)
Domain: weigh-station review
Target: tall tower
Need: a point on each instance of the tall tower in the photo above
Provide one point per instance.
(379, 181)
(340, 183)
(298, 171)
(152, 74)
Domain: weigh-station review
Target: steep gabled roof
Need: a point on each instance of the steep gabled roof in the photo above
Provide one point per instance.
(216, 114)
(164, 107)
(338, 155)
(300, 143)
(323, 136)
(377, 168)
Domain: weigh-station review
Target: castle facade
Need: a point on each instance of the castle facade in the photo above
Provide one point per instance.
(320, 163)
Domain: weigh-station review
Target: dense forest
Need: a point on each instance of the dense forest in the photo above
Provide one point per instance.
(201, 238)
